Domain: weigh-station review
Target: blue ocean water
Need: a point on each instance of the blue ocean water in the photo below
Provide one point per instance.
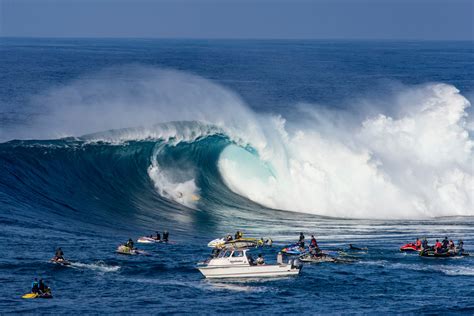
(207, 106)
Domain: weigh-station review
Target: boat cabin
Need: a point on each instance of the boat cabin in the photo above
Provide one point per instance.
(232, 257)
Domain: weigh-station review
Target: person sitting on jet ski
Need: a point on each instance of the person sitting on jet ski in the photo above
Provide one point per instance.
(228, 237)
(438, 246)
(460, 248)
(451, 246)
(129, 243)
(424, 244)
(59, 255)
(260, 260)
(41, 287)
(445, 243)
(165, 236)
(35, 286)
(158, 236)
(418, 243)
(313, 243)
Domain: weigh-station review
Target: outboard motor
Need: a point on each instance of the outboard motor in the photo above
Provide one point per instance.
(295, 263)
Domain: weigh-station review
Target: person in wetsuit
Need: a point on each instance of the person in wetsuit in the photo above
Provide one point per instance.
(59, 255)
(35, 286)
(445, 243)
(301, 240)
(165, 236)
(260, 260)
(41, 286)
(238, 235)
(460, 248)
(158, 236)
(424, 244)
(129, 244)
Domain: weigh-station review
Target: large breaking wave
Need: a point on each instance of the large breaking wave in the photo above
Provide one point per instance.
(202, 147)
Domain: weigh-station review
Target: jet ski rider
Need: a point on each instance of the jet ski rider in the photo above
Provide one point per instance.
(129, 244)
(59, 255)
(418, 243)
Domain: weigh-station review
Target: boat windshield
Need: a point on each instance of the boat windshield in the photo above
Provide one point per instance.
(238, 254)
(224, 254)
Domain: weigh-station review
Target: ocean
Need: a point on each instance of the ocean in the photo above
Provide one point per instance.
(367, 143)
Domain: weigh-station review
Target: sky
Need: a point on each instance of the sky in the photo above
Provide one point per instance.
(245, 19)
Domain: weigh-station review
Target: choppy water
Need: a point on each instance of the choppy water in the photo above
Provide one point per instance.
(326, 131)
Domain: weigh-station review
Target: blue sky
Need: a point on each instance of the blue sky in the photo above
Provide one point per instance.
(293, 19)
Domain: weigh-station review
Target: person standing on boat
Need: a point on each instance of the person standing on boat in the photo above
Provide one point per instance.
(239, 235)
(165, 236)
(260, 261)
(158, 236)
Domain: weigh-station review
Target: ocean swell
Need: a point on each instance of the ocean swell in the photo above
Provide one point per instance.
(202, 147)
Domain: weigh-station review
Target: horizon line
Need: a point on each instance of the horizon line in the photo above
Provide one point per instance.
(238, 38)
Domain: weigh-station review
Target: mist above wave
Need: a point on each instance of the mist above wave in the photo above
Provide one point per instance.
(414, 161)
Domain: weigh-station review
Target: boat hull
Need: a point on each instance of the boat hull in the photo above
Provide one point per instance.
(269, 271)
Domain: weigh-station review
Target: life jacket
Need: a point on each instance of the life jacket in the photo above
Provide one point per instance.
(418, 243)
(438, 245)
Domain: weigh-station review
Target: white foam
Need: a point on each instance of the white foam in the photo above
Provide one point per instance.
(416, 165)
(98, 266)
(416, 162)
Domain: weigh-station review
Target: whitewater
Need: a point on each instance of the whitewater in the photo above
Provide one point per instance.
(415, 162)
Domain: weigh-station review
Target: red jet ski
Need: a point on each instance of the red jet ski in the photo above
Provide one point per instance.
(409, 247)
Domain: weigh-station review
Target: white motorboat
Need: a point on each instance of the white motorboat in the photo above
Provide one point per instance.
(237, 263)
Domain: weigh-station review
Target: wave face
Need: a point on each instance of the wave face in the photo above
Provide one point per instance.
(414, 161)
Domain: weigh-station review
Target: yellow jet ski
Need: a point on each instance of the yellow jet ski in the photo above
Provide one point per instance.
(38, 295)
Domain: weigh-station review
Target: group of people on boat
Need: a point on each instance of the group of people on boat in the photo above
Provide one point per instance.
(238, 235)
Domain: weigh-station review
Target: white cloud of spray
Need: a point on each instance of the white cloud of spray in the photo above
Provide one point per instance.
(415, 162)
(135, 96)
(418, 164)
